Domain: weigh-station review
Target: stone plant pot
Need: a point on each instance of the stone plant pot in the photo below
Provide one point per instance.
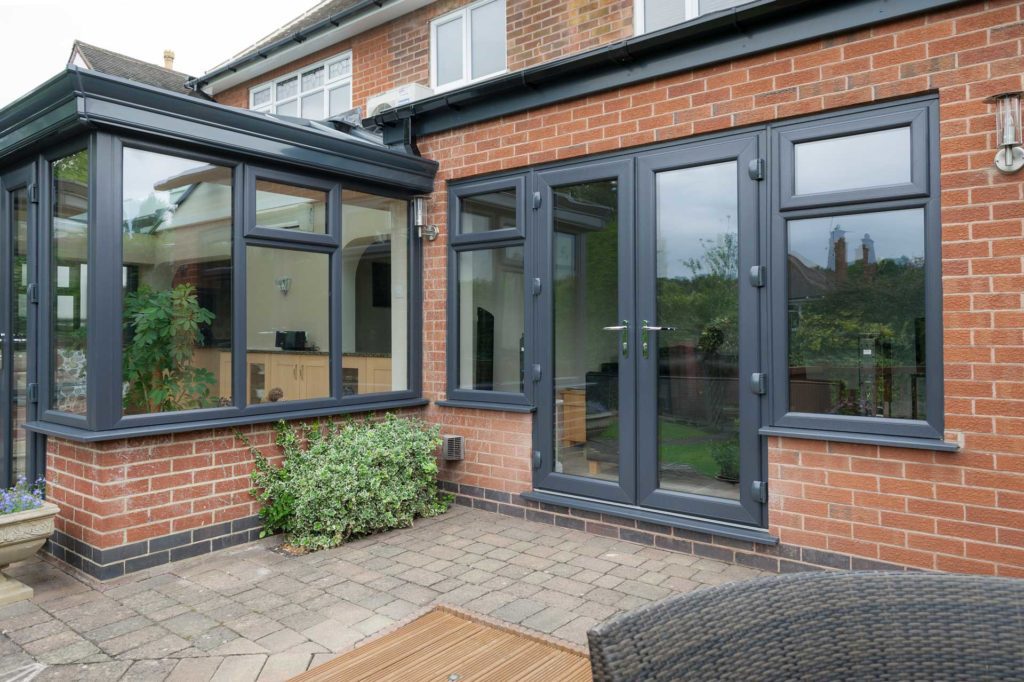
(21, 535)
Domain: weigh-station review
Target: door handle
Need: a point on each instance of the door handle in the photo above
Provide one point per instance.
(624, 328)
(645, 339)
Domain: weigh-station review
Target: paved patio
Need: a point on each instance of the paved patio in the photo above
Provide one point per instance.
(253, 612)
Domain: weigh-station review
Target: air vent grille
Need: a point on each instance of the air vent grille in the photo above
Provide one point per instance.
(454, 448)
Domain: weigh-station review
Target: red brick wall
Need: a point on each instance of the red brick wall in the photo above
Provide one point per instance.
(119, 492)
(962, 511)
(399, 52)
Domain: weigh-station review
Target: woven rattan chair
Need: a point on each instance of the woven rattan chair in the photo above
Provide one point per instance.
(823, 626)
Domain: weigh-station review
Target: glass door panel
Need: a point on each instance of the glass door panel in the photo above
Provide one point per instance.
(698, 449)
(16, 215)
(586, 403)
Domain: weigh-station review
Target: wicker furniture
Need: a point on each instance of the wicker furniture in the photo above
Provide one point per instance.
(823, 626)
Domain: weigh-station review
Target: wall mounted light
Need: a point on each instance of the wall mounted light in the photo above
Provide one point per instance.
(283, 284)
(1010, 157)
(419, 219)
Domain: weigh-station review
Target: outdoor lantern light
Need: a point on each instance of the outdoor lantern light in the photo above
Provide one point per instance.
(1010, 157)
(419, 219)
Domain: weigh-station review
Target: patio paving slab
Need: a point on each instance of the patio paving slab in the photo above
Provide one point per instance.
(253, 612)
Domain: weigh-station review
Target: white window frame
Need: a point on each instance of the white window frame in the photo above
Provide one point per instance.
(467, 53)
(329, 84)
(692, 10)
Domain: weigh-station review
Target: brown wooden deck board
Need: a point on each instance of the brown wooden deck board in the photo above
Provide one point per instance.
(443, 642)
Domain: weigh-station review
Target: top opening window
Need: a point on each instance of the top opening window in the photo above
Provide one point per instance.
(859, 161)
(468, 45)
(316, 92)
(654, 15)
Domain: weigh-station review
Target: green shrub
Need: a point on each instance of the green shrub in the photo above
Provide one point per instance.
(343, 481)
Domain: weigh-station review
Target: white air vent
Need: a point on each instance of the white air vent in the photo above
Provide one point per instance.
(454, 448)
(403, 94)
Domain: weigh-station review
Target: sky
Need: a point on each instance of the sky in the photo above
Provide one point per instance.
(36, 35)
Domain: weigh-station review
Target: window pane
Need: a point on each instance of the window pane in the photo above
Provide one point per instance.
(659, 14)
(289, 108)
(491, 322)
(311, 80)
(176, 245)
(340, 68)
(19, 202)
(313, 106)
(69, 277)
(708, 6)
(341, 99)
(853, 162)
(857, 315)
(261, 97)
(487, 38)
(487, 212)
(448, 48)
(374, 291)
(288, 88)
(287, 207)
(288, 325)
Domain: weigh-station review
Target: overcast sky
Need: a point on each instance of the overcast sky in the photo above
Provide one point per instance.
(36, 36)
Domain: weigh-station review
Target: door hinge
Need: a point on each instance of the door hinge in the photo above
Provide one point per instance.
(759, 491)
(756, 169)
(535, 460)
(536, 200)
(758, 383)
(757, 275)
(33, 193)
(32, 292)
(537, 286)
(536, 373)
(33, 393)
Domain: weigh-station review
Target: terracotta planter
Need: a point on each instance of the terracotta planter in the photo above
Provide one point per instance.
(21, 535)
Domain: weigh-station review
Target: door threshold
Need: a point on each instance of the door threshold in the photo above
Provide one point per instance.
(721, 528)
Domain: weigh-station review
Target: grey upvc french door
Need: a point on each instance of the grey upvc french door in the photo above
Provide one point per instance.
(698, 288)
(650, 330)
(18, 203)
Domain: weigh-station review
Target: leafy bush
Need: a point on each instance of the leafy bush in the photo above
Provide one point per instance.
(727, 454)
(343, 481)
(22, 496)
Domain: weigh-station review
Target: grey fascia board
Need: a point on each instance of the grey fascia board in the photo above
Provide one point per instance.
(331, 22)
(757, 27)
(78, 98)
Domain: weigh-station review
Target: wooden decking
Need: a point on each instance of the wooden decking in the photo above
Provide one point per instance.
(444, 643)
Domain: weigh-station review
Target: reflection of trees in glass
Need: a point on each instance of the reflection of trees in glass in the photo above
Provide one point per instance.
(863, 333)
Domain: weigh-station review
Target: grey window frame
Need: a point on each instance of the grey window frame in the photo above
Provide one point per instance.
(924, 193)
(105, 419)
(461, 242)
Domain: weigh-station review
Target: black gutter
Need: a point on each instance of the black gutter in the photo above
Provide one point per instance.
(330, 23)
(79, 100)
(756, 27)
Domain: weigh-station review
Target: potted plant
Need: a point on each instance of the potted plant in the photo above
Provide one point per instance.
(26, 520)
(726, 454)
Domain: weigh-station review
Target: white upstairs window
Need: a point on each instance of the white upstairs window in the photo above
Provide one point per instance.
(468, 45)
(316, 92)
(654, 15)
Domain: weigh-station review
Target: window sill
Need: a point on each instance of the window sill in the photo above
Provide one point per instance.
(496, 407)
(861, 438)
(87, 436)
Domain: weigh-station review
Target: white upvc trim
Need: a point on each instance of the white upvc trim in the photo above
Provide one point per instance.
(463, 13)
(327, 86)
(692, 10)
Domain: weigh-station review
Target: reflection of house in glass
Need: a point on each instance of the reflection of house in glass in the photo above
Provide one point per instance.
(856, 323)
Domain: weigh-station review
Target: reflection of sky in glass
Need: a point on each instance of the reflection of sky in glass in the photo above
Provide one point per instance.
(896, 235)
(857, 161)
(695, 207)
(143, 170)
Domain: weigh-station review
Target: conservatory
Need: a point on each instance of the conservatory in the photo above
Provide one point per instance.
(171, 264)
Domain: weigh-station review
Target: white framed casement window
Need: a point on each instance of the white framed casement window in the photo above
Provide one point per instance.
(316, 91)
(654, 15)
(468, 45)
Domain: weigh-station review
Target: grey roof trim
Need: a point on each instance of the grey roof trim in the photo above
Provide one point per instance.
(331, 22)
(758, 26)
(78, 98)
